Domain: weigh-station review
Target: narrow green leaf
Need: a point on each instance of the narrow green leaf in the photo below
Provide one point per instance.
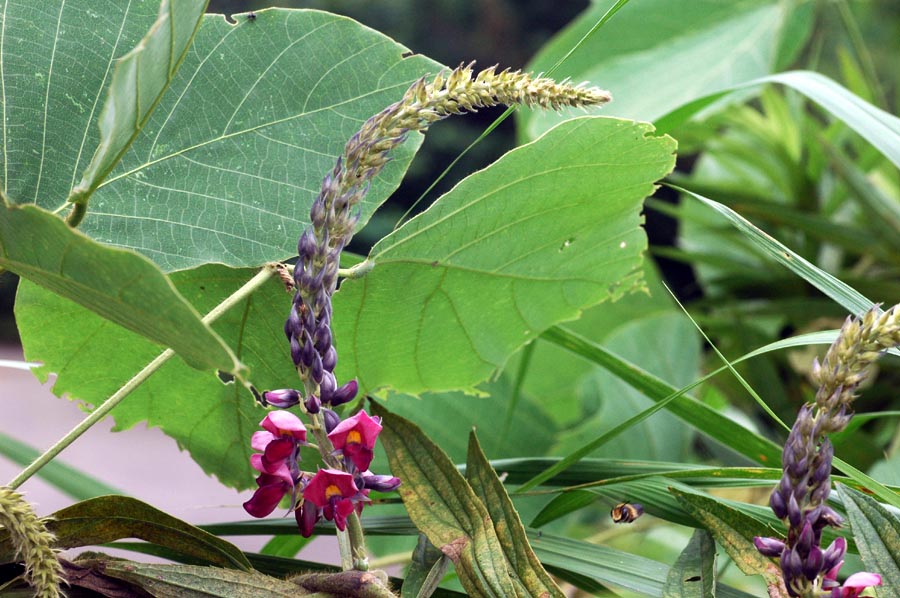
(841, 293)
(735, 531)
(118, 285)
(694, 573)
(68, 480)
(707, 420)
(648, 59)
(444, 507)
(509, 528)
(877, 534)
(426, 570)
(609, 566)
(139, 80)
(556, 229)
(109, 518)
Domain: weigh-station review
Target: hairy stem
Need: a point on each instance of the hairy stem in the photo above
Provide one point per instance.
(100, 412)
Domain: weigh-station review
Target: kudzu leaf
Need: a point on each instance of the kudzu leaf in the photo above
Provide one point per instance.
(121, 286)
(510, 531)
(138, 82)
(227, 165)
(551, 228)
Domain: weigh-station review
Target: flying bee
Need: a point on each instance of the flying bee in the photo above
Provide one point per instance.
(626, 512)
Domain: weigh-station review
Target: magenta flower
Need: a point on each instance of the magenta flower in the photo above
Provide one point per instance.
(355, 438)
(272, 489)
(277, 464)
(334, 495)
(856, 584)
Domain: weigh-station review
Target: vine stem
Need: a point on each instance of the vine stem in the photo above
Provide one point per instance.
(100, 412)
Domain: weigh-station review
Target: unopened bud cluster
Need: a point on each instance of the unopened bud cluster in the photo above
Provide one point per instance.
(801, 495)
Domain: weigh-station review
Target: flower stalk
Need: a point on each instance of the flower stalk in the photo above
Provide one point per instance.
(800, 499)
(339, 492)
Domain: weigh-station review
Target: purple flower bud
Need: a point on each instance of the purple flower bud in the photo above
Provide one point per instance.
(296, 351)
(329, 359)
(793, 512)
(316, 370)
(812, 566)
(309, 353)
(312, 404)
(380, 483)
(331, 419)
(771, 547)
(345, 393)
(322, 337)
(804, 542)
(327, 387)
(307, 246)
(307, 515)
(283, 398)
(834, 554)
(778, 505)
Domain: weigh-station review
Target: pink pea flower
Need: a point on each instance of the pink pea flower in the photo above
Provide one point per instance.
(272, 489)
(856, 584)
(334, 495)
(279, 442)
(355, 438)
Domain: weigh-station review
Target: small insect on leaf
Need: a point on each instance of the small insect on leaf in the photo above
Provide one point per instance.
(251, 16)
(626, 512)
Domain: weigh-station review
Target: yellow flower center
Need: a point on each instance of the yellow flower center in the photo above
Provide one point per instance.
(332, 491)
(354, 436)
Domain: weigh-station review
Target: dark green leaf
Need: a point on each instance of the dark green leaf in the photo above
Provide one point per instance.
(109, 518)
(119, 285)
(877, 534)
(444, 507)
(551, 228)
(694, 573)
(426, 570)
(191, 581)
(509, 528)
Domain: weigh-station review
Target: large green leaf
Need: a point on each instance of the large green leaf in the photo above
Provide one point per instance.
(138, 82)
(510, 531)
(93, 357)
(446, 509)
(119, 285)
(230, 160)
(877, 534)
(109, 518)
(548, 230)
(654, 63)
